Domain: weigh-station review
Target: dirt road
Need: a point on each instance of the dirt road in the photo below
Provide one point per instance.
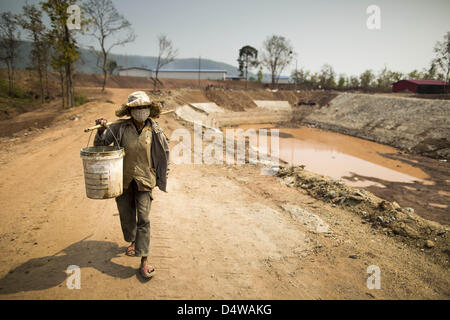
(221, 232)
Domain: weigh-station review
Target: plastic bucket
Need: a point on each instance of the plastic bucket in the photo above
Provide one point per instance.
(103, 171)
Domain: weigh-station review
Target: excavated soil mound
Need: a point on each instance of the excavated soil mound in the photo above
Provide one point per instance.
(416, 125)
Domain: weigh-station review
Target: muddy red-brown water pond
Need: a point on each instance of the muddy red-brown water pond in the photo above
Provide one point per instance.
(340, 156)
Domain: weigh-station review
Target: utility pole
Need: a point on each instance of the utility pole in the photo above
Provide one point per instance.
(296, 76)
(199, 64)
(246, 72)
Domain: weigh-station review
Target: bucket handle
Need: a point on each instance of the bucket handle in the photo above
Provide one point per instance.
(89, 140)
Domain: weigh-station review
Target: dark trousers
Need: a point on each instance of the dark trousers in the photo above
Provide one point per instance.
(133, 203)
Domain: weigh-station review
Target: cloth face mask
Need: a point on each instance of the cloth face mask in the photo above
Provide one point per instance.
(140, 115)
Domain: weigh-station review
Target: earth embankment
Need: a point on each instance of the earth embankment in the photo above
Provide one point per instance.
(418, 126)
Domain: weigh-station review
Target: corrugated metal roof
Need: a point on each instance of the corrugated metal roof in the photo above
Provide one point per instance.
(177, 70)
(191, 70)
(139, 68)
(425, 82)
(236, 77)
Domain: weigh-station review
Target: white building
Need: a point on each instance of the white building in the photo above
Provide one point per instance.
(205, 74)
(135, 72)
(280, 79)
(283, 79)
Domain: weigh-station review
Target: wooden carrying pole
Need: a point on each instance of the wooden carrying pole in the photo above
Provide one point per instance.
(118, 121)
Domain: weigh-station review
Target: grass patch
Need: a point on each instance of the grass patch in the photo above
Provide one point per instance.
(80, 99)
(19, 92)
(19, 103)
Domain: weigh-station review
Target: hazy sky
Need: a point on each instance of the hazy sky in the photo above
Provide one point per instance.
(321, 31)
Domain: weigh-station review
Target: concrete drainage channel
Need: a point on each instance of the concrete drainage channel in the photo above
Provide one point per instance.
(211, 116)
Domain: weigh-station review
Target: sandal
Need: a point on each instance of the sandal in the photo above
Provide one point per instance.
(147, 271)
(131, 251)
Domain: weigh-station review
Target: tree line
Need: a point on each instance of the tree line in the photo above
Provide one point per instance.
(368, 80)
(55, 48)
(278, 53)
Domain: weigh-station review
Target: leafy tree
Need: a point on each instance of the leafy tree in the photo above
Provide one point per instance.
(109, 28)
(31, 20)
(353, 82)
(396, 76)
(9, 36)
(111, 65)
(384, 80)
(296, 76)
(260, 75)
(248, 58)
(342, 81)
(300, 77)
(366, 78)
(314, 80)
(415, 74)
(65, 49)
(442, 58)
(430, 73)
(327, 77)
(277, 54)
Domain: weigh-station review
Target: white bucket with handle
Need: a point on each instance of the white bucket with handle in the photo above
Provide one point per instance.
(103, 171)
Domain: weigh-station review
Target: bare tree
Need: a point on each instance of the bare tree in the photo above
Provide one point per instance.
(9, 36)
(277, 54)
(442, 59)
(166, 55)
(109, 27)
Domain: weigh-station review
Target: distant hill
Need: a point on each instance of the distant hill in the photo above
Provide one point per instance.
(88, 59)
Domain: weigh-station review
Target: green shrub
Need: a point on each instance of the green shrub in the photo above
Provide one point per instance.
(80, 99)
(19, 92)
(4, 88)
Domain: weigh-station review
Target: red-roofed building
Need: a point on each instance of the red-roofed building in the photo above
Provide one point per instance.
(419, 86)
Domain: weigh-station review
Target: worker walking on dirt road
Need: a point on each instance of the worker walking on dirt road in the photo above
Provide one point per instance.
(145, 166)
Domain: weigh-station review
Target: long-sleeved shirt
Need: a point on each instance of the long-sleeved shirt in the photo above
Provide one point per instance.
(146, 154)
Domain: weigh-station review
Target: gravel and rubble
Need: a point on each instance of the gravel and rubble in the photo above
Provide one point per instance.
(388, 217)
